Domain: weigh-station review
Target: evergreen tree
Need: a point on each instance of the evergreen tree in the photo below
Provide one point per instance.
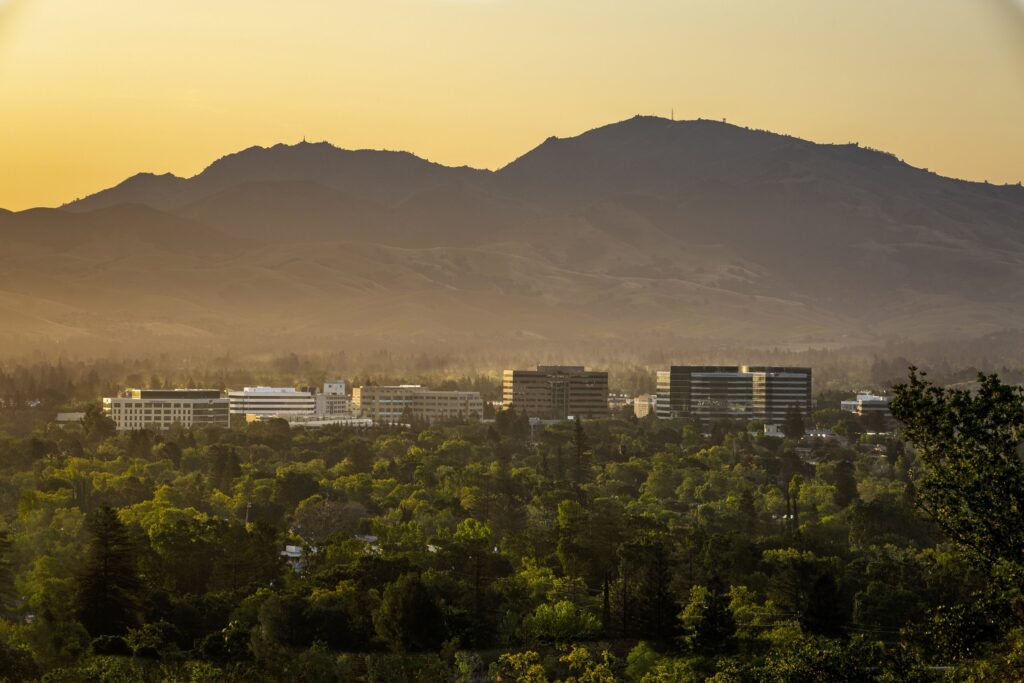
(709, 619)
(794, 500)
(409, 618)
(748, 511)
(824, 614)
(845, 483)
(97, 425)
(108, 582)
(793, 424)
(581, 447)
(8, 594)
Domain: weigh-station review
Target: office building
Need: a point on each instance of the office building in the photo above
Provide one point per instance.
(645, 404)
(556, 392)
(395, 404)
(272, 402)
(160, 408)
(872, 407)
(333, 401)
(716, 392)
(777, 390)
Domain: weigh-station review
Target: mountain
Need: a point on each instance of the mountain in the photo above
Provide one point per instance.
(646, 229)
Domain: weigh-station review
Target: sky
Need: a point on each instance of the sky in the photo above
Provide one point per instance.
(93, 92)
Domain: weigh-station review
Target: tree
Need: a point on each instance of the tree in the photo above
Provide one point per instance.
(473, 543)
(708, 619)
(793, 423)
(973, 481)
(8, 594)
(409, 618)
(581, 446)
(108, 582)
(521, 667)
(845, 483)
(561, 622)
(825, 611)
(97, 425)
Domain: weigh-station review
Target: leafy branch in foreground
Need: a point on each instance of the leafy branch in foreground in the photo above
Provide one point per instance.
(970, 443)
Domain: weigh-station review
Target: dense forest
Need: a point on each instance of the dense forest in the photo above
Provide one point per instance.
(611, 550)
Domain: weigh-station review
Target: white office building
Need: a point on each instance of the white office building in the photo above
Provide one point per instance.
(333, 402)
(263, 402)
(160, 408)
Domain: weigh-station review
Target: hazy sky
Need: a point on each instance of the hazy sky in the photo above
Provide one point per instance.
(92, 91)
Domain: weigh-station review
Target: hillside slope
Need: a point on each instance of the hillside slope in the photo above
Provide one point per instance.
(673, 230)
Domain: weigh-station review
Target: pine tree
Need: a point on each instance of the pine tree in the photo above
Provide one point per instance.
(846, 484)
(581, 446)
(793, 425)
(108, 583)
(710, 620)
(8, 594)
(824, 614)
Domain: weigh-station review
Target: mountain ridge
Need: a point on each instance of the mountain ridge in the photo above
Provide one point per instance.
(689, 229)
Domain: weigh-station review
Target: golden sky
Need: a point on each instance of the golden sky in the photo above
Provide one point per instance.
(92, 91)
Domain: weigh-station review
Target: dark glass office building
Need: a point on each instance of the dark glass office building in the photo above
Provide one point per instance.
(714, 392)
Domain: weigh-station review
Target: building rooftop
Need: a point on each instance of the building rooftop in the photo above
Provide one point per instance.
(271, 390)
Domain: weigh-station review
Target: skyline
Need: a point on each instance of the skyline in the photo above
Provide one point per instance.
(99, 92)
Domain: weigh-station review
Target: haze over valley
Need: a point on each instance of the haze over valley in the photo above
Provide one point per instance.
(695, 231)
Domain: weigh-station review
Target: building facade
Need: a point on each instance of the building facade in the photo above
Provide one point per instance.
(556, 392)
(272, 402)
(645, 404)
(716, 392)
(159, 409)
(776, 390)
(394, 404)
(875, 408)
(333, 401)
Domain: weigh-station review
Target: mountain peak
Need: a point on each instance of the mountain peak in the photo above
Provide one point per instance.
(644, 224)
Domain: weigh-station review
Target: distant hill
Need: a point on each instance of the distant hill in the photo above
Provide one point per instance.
(647, 228)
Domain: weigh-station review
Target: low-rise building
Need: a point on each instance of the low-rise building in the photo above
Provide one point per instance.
(616, 402)
(161, 408)
(315, 421)
(271, 401)
(871, 407)
(645, 404)
(394, 404)
(333, 401)
(64, 419)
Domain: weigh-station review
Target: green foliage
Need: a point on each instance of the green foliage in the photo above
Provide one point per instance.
(109, 584)
(973, 480)
(793, 423)
(446, 552)
(8, 592)
(409, 618)
(560, 622)
(521, 667)
(708, 618)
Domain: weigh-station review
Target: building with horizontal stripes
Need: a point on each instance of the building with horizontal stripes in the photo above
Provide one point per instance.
(272, 402)
(333, 401)
(556, 392)
(396, 404)
(717, 392)
(872, 407)
(159, 409)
